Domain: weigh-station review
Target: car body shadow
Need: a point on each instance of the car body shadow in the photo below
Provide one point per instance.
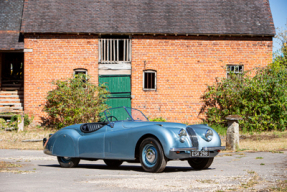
(137, 168)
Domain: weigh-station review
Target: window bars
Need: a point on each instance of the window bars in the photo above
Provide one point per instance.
(114, 50)
(234, 69)
(149, 80)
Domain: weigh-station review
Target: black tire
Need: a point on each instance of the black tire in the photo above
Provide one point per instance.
(113, 163)
(200, 163)
(152, 156)
(67, 162)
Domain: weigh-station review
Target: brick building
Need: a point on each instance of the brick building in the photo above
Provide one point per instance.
(157, 56)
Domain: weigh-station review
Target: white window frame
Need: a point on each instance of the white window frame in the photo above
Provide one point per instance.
(236, 69)
(81, 71)
(155, 80)
(109, 50)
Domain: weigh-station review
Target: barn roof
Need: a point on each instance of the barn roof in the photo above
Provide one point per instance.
(147, 16)
(10, 24)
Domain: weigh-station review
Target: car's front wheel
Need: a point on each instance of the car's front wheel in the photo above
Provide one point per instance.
(113, 163)
(152, 156)
(200, 163)
(68, 162)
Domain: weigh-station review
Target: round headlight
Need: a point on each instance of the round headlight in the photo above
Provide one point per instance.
(209, 134)
(182, 132)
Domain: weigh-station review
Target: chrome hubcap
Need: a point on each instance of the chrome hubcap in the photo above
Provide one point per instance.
(150, 155)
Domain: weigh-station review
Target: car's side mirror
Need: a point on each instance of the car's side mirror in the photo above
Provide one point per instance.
(111, 125)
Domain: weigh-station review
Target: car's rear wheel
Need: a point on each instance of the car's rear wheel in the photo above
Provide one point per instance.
(200, 163)
(113, 163)
(68, 162)
(152, 156)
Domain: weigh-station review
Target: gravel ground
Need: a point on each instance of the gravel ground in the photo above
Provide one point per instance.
(239, 171)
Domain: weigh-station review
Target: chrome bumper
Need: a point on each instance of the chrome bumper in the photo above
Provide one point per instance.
(184, 149)
(213, 148)
(195, 149)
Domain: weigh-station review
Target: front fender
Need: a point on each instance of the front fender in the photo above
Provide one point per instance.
(63, 143)
(168, 138)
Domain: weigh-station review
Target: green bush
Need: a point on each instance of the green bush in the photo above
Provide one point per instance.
(3, 123)
(15, 121)
(75, 100)
(158, 119)
(28, 120)
(261, 100)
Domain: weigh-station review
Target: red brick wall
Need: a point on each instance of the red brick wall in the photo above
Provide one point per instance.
(185, 65)
(54, 57)
(0, 69)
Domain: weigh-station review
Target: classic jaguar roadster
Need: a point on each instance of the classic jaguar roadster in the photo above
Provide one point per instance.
(128, 135)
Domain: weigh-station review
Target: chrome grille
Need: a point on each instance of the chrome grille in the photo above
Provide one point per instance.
(192, 136)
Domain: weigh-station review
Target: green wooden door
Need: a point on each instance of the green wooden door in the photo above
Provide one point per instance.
(119, 87)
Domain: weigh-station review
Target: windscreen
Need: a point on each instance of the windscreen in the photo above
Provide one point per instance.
(124, 114)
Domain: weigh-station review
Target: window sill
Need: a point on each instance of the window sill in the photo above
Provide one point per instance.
(148, 90)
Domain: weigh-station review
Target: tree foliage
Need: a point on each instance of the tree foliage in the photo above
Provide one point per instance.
(261, 99)
(280, 56)
(75, 100)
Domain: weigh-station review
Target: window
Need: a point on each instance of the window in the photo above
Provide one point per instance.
(149, 80)
(114, 49)
(81, 71)
(234, 69)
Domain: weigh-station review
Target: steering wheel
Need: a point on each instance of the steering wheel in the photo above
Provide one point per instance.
(112, 118)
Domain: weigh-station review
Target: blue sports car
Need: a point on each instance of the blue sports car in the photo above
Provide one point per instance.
(128, 135)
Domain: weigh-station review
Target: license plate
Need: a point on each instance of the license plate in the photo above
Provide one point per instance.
(200, 153)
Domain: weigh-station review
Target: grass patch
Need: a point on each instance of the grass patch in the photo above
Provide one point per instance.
(259, 158)
(269, 141)
(8, 166)
(252, 181)
(262, 164)
(13, 139)
(280, 187)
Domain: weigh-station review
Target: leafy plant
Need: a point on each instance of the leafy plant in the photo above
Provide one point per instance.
(15, 121)
(3, 123)
(261, 100)
(158, 119)
(28, 120)
(75, 100)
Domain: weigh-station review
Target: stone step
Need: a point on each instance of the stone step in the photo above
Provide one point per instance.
(13, 108)
(12, 92)
(4, 104)
(11, 88)
(9, 96)
(8, 100)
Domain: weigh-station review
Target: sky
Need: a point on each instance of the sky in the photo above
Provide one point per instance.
(279, 13)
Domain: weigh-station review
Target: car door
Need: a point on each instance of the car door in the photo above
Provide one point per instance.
(118, 143)
(91, 145)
